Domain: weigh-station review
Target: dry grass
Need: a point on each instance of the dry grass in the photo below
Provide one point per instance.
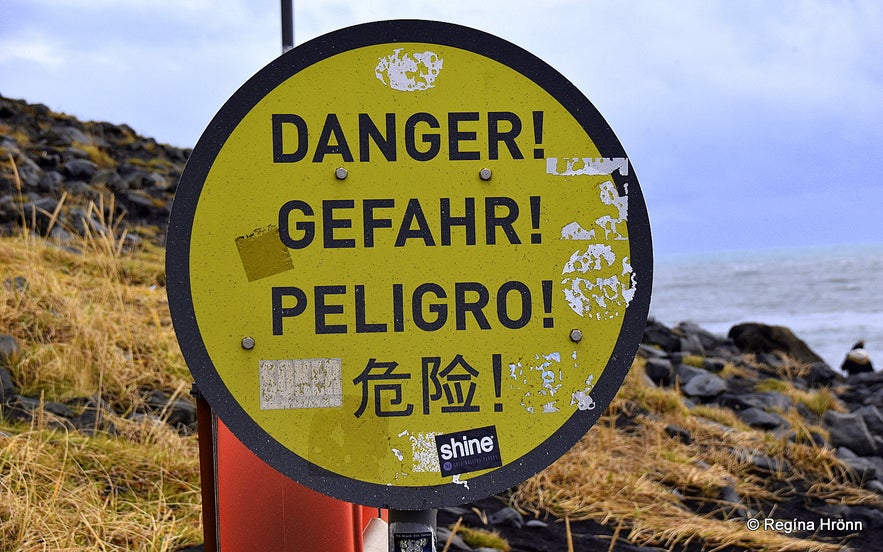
(97, 155)
(67, 491)
(642, 480)
(482, 538)
(92, 320)
(95, 322)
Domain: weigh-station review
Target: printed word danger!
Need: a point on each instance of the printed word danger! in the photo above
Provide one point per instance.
(455, 136)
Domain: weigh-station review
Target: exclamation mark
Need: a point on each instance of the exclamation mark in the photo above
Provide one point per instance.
(498, 381)
(538, 152)
(536, 237)
(548, 322)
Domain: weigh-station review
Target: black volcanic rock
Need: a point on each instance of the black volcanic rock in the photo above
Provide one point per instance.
(54, 155)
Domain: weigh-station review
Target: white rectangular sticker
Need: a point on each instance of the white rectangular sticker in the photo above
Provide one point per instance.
(301, 383)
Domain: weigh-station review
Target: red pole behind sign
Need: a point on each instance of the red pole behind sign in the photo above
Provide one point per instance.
(206, 433)
(261, 509)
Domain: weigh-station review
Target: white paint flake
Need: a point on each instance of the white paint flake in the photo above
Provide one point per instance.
(456, 479)
(628, 291)
(409, 72)
(574, 231)
(582, 398)
(575, 166)
(595, 258)
(300, 383)
(593, 287)
(398, 454)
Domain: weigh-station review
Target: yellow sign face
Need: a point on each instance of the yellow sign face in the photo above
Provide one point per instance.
(409, 273)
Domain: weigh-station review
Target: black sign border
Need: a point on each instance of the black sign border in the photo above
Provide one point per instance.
(178, 265)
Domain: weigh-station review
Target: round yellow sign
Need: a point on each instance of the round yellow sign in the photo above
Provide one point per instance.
(409, 264)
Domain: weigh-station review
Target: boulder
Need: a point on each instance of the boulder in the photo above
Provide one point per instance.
(753, 337)
(768, 401)
(849, 430)
(9, 349)
(873, 419)
(51, 182)
(179, 412)
(821, 375)
(677, 432)
(659, 370)
(707, 340)
(8, 388)
(685, 372)
(81, 169)
(714, 364)
(507, 515)
(704, 386)
(656, 333)
(760, 419)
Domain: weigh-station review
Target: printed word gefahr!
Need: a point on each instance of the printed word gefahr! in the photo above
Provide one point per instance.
(341, 225)
(341, 309)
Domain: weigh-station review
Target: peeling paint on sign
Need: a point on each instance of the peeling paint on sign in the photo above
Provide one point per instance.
(582, 399)
(300, 383)
(456, 480)
(551, 379)
(594, 283)
(610, 196)
(423, 452)
(575, 166)
(608, 293)
(574, 231)
(409, 72)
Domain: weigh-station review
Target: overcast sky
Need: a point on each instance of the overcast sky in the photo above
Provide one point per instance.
(750, 124)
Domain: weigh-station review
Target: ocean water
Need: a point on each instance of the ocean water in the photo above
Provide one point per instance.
(829, 297)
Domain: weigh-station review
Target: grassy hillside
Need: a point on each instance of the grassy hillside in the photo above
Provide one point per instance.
(92, 321)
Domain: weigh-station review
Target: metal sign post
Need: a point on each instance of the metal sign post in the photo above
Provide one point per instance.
(287, 25)
(412, 531)
(409, 265)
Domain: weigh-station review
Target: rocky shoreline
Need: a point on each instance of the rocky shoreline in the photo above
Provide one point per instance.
(691, 359)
